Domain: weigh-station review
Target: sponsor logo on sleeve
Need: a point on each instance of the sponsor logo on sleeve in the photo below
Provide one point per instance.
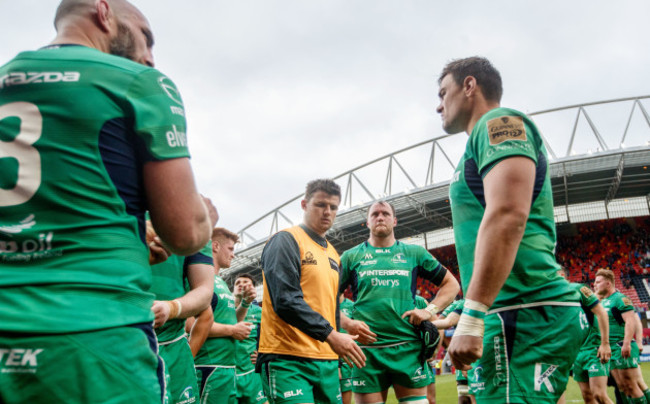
(506, 128)
(627, 301)
(19, 360)
(170, 89)
(586, 291)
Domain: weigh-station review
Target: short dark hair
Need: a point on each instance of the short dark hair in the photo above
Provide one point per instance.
(246, 275)
(325, 185)
(383, 202)
(487, 76)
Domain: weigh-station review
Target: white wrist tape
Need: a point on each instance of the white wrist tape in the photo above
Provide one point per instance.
(471, 320)
(432, 309)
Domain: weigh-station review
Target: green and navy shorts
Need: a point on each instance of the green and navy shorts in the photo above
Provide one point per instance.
(618, 362)
(216, 384)
(112, 365)
(394, 364)
(588, 365)
(298, 381)
(179, 364)
(346, 377)
(249, 388)
(528, 352)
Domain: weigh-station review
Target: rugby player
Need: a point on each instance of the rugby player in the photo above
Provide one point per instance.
(591, 368)
(171, 307)
(502, 208)
(249, 384)
(299, 344)
(89, 134)
(382, 272)
(215, 362)
(622, 326)
(449, 318)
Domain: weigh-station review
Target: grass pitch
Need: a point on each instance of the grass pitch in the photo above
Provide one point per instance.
(446, 389)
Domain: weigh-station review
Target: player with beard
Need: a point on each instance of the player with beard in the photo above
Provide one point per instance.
(88, 134)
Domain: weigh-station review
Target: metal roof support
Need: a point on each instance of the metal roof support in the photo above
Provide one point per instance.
(432, 156)
(629, 120)
(388, 185)
(573, 133)
(613, 189)
(406, 174)
(599, 138)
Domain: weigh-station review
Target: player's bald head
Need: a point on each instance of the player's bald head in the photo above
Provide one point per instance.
(83, 8)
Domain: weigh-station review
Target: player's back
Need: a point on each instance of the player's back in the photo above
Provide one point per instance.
(76, 126)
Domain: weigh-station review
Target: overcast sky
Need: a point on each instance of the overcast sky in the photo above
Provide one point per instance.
(281, 92)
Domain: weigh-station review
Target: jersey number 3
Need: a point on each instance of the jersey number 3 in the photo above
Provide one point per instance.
(21, 148)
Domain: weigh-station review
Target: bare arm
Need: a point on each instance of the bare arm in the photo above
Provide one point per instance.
(177, 211)
(508, 195)
(449, 288)
(508, 191)
(238, 331)
(199, 329)
(604, 351)
(630, 331)
(201, 280)
(447, 322)
(358, 328)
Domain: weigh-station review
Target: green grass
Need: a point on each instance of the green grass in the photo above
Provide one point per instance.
(446, 389)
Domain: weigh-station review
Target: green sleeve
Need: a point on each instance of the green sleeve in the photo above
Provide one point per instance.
(158, 115)
(502, 134)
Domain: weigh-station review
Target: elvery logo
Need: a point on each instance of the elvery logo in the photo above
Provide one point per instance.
(21, 78)
(19, 360)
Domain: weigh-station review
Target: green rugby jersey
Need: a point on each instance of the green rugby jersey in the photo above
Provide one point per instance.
(220, 350)
(76, 127)
(346, 307)
(616, 304)
(456, 307)
(247, 346)
(588, 300)
(169, 279)
(499, 134)
(383, 284)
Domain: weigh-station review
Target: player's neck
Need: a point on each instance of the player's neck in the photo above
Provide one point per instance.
(481, 108)
(382, 242)
(76, 35)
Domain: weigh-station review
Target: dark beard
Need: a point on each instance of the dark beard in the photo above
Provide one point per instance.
(123, 44)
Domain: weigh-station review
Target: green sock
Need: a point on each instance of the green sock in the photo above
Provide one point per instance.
(638, 400)
(646, 394)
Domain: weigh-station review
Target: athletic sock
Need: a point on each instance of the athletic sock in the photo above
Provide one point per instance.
(638, 400)
(646, 394)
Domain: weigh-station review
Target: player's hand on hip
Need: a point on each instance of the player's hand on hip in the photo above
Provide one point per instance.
(161, 312)
(345, 346)
(416, 316)
(362, 331)
(464, 350)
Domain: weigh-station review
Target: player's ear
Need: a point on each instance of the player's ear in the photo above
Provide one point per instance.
(303, 204)
(104, 15)
(470, 86)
